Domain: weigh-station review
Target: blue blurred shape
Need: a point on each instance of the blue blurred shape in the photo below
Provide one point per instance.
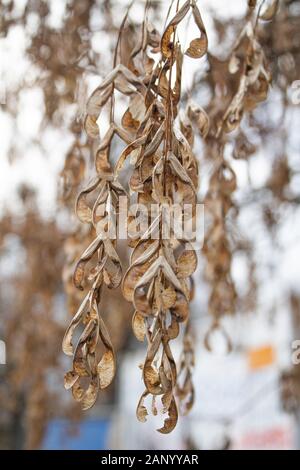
(90, 434)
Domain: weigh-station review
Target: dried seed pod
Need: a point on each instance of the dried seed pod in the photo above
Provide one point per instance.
(267, 13)
(185, 388)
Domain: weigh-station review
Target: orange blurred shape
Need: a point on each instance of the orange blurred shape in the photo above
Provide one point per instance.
(261, 357)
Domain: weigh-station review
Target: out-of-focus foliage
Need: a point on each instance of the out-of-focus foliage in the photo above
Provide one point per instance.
(31, 295)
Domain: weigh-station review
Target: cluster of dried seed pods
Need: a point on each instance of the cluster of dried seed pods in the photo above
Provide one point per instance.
(158, 281)
(99, 265)
(158, 142)
(247, 65)
(165, 173)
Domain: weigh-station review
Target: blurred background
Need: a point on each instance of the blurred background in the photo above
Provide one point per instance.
(53, 53)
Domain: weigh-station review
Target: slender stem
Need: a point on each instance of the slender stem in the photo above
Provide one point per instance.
(257, 16)
(121, 29)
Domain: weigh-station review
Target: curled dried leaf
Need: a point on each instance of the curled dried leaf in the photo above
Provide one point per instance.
(198, 46)
(77, 391)
(113, 268)
(181, 308)
(97, 100)
(186, 263)
(166, 400)
(268, 13)
(139, 326)
(151, 379)
(133, 146)
(90, 395)
(171, 421)
(91, 126)
(132, 276)
(173, 329)
(167, 45)
(168, 297)
(67, 346)
(85, 257)
(135, 113)
(70, 378)
(106, 369)
(86, 340)
(141, 411)
(179, 170)
(83, 211)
